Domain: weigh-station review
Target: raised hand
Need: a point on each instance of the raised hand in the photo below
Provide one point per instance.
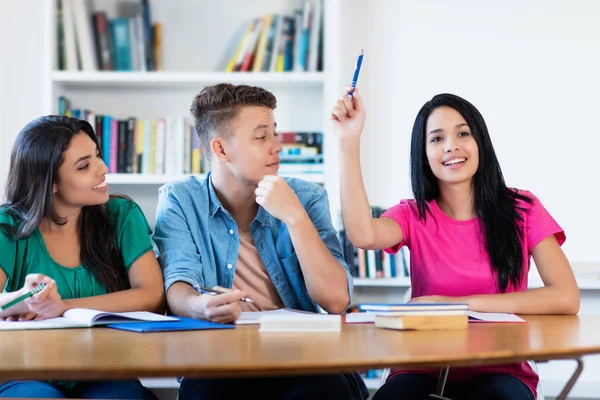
(348, 115)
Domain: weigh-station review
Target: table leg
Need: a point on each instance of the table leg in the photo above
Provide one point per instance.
(569, 385)
(442, 381)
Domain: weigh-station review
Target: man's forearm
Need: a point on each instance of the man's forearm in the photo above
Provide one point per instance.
(178, 298)
(325, 278)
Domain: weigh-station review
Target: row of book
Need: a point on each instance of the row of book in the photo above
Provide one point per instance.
(374, 263)
(278, 42)
(170, 145)
(90, 41)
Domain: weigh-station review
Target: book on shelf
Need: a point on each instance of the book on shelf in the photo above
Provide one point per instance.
(148, 146)
(280, 42)
(417, 321)
(171, 146)
(374, 264)
(90, 41)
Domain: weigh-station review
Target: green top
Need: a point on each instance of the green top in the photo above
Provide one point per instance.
(29, 255)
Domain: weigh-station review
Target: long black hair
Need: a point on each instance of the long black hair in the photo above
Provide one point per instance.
(495, 204)
(36, 156)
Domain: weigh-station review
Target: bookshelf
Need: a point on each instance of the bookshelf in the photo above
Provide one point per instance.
(403, 282)
(140, 80)
(159, 179)
(198, 39)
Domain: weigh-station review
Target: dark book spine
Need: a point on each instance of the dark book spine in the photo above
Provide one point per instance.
(99, 129)
(122, 135)
(103, 42)
(130, 145)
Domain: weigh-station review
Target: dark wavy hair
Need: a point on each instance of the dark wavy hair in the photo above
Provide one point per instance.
(495, 204)
(36, 156)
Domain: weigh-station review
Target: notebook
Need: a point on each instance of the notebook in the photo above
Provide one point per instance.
(411, 306)
(301, 322)
(253, 317)
(369, 316)
(85, 318)
(181, 324)
(475, 317)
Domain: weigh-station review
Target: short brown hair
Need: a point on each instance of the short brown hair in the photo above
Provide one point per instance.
(215, 106)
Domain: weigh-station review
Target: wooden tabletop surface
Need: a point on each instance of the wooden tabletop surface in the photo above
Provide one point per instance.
(102, 353)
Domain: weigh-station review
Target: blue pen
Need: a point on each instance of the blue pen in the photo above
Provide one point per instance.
(207, 290)
(356, 72)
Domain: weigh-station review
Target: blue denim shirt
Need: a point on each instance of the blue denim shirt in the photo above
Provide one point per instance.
(198, 240)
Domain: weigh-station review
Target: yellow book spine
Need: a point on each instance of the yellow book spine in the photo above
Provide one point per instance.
(280, 60)
(241, 45)
(262, 44)
(152, 147)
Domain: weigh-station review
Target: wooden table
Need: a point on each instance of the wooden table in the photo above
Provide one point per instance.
(101, 353)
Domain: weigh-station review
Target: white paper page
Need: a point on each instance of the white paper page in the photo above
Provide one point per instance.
(91, 317)
(359, 318)
(493, 317)
(51, 323)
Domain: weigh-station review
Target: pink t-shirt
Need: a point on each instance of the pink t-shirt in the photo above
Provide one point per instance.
(448, 258)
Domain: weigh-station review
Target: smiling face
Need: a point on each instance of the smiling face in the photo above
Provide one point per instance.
(252, 150)
(452, 152)
(81, 176)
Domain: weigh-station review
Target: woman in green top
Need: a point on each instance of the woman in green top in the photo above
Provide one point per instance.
(59, 226)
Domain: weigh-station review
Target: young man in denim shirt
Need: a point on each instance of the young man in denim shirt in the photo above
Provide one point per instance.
(245, 228)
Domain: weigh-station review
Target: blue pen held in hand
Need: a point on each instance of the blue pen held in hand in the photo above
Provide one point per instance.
(356, 72)
(207, 290)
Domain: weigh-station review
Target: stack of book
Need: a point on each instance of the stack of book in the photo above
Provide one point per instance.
(412, 316)
(90, 41)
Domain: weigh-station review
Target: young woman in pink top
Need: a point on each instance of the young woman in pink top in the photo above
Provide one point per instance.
(471, 237)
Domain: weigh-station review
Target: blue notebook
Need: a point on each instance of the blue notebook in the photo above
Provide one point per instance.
(183, 324)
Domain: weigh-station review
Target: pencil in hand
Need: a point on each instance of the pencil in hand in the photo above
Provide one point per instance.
(23, 297)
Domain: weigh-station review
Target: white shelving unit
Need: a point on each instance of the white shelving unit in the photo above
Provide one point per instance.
(170, 80)
(198, 40)
(379, 282)
(159, 179)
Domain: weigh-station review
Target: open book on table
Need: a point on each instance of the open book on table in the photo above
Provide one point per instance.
(85, 318)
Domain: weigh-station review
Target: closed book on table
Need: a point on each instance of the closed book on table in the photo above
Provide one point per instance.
(300, 322)
(422, 322)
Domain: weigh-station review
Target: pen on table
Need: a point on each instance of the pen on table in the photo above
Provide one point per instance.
(23, 297)
(356, 72)
(204, 289)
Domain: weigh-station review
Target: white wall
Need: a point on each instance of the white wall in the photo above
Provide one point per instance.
(21, 73)
(531, 67)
